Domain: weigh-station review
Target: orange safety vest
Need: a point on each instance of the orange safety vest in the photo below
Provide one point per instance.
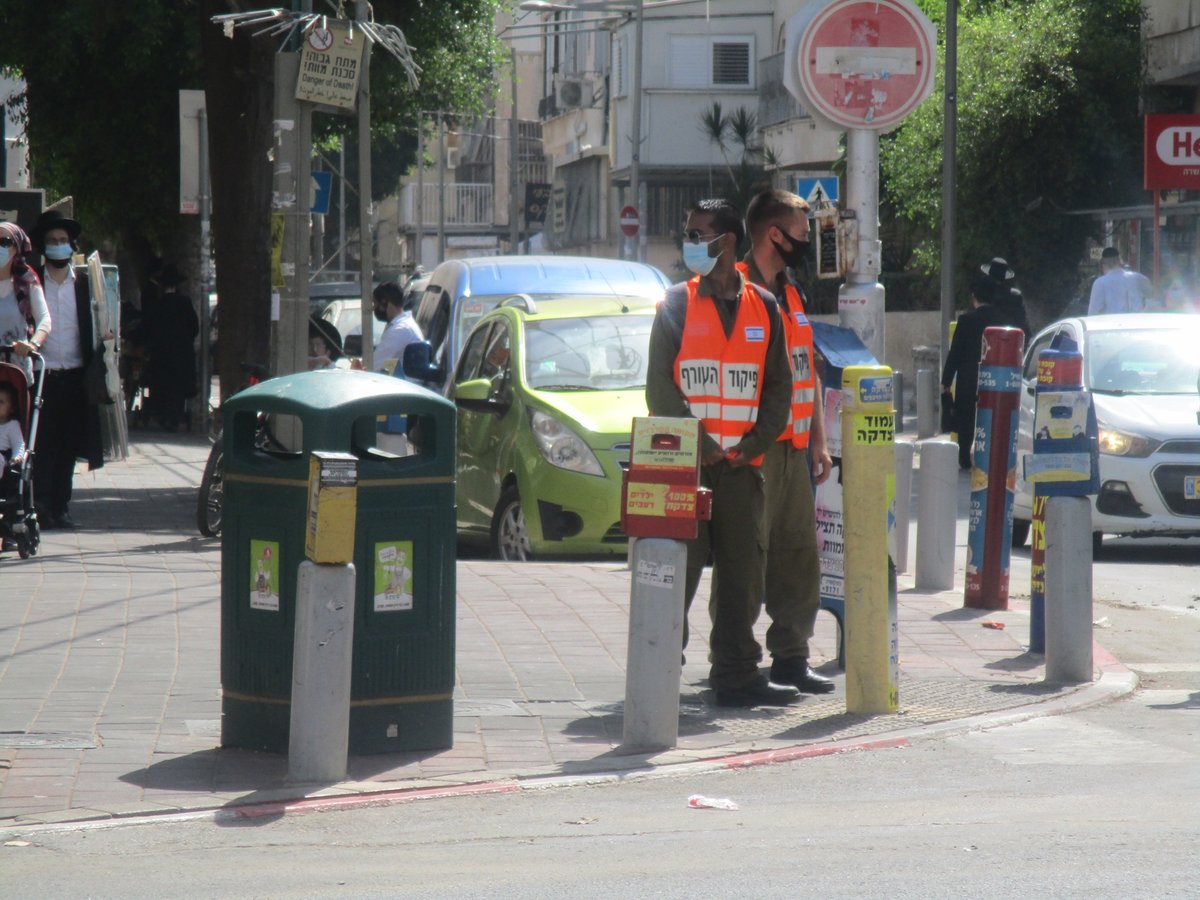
(798, 332)
(721, 378)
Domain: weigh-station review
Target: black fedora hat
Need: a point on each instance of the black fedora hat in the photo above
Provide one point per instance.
(998, 270)
(49, 220)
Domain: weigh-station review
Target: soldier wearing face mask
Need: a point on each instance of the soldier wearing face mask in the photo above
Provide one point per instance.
(718, 354)
(69, 427)
(778, 225)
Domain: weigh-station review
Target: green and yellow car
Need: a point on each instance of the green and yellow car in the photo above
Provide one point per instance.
(546, 389)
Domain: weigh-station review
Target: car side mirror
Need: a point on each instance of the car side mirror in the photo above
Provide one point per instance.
(479, 395)
(418, 364)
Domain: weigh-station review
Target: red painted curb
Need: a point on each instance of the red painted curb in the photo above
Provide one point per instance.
(788, 754)
(383, 798)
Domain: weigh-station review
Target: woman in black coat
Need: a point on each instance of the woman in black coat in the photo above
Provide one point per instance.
(171, 333)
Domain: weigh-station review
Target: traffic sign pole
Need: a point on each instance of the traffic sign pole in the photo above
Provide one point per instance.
(862, 66)
(861, 298)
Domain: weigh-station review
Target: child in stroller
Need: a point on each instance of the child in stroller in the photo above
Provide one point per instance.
(18, 520)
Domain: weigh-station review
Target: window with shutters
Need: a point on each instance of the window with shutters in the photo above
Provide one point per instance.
(731, 62)
(701, 61)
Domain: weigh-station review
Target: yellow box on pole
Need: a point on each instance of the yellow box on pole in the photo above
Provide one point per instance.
(332, 507)
(868, 448)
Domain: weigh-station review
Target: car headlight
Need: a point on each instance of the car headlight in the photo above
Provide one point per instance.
(1123, 443)
(561, 446)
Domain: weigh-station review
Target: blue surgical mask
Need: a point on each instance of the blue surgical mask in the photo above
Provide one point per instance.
(58, 251)
(696, 258)
(6, 253)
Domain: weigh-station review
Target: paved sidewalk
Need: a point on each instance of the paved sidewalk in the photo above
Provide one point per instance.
(110, 693)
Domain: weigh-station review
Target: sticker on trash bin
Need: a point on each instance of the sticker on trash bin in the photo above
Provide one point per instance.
(393, 576)
(655, 573)
(264, 575)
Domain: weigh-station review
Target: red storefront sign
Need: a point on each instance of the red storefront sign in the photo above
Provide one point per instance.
(1172, 152)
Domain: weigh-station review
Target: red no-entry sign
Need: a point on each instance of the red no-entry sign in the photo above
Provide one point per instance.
(867, 63)
(629, 221)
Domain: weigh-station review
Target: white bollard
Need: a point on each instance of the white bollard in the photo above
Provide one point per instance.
(653, 665)
(927, 414)
(1068, 590)
(904, 467)
(937, 514)
(319, 735)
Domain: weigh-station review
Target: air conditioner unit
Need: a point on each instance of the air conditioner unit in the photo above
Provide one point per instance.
(451, 157)
(574, 93)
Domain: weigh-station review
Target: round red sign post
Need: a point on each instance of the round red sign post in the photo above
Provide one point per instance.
(629, 221)
(867, 63)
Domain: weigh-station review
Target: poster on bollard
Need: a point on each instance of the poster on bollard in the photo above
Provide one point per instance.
(830, 524)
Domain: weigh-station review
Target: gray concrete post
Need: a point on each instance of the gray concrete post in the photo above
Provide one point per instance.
(937, 514)
(904, 468)
(927, 418)
(1068, 590)
(319, 736)
(652, 667)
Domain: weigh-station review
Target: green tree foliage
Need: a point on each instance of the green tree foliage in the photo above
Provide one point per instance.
(101, 105)
(101, 117)
(1048, 124)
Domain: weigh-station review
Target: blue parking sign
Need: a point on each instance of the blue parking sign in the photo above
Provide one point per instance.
(322, 188)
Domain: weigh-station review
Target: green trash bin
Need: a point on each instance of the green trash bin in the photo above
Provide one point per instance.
(404, 556)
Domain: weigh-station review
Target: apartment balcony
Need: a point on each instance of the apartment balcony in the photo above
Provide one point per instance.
(467, 207)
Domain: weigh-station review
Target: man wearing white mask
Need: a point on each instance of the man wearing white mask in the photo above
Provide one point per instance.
(69, 427)
(718, 354)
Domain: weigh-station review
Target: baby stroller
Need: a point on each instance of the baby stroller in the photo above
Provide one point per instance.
(18, 518)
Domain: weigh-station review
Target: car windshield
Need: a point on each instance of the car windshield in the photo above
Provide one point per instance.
(1143, 361)
(605, 353)
(474, 308)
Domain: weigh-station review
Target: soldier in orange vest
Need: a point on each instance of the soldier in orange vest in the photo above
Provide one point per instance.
(778, 225)
(718, 354)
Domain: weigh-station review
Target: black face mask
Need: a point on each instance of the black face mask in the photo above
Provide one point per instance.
(795, 257)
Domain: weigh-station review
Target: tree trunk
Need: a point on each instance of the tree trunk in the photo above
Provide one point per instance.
(239, 94)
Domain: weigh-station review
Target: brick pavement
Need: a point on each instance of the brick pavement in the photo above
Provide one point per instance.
(109, 668)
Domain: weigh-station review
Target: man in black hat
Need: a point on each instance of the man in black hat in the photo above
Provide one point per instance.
(69, 427)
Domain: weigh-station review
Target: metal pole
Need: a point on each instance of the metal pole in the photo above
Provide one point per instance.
(366, 252)
(927, 423)
(861, 298)
(205, 283)
(514, 162)
(441, 180)
(319, 728)
(655, 641)
(937, 514)
(949, 177)
(635, 179)
(342, 208)
(419, 255)
(872, 657)
(1068, 590)
(903, 500)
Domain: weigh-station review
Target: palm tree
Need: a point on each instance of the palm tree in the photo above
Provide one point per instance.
(730, 133)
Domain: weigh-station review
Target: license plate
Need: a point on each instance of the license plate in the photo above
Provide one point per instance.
(1191, 487)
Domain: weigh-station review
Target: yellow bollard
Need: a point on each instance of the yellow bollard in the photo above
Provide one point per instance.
(869, 486)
